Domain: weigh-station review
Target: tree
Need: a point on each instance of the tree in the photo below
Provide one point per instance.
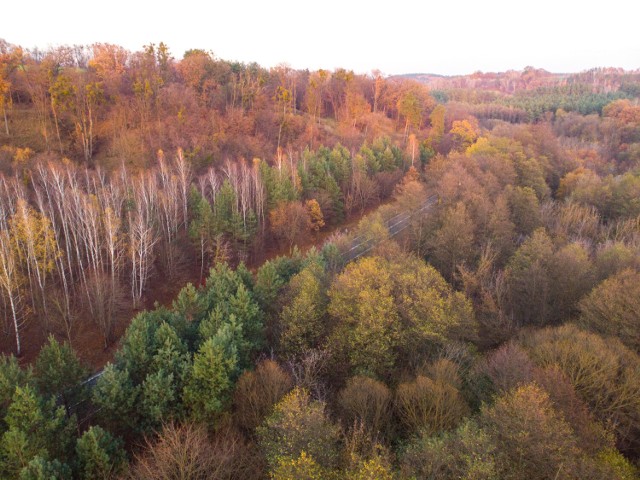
(436, 133)
(603, 372)
(61, 92)
(11, 376)
(388, 310)
(528, 280)
(270, 280)
(299, 424)
(453, 242)
(89, 95)
(190, 304)
(250, 319)
(303, 467)
(508, 367)
(106, 298)
(162, 387)
(13, 283)
(593, 436)
(37, 79)
(532, 438)
(116, 398)
(40, 468)
(464, 134)
(209, 385)
(571, 276)
(412, 105)
(500, 228)
(612, 308)
(34, 428)
(180, 451)
(302, 321)
(531, 174)
(160, 399)
(8, 62)
(221, 284)
(367, 401)
(137, 348)
(373, 469)
(432, 313)
(410, 195)
(58, 372)
(613, 464)
(316, 218)
(363, 190)
(430, 404)
(525, 209)
(100, 456)
(289, 221)
(36, 249)
(109, 63)
(257, 392)
(142, 235)
(356, 105)
(361, 300)
(171, 202)
(468, 452)
(614, 257)
(201, 228)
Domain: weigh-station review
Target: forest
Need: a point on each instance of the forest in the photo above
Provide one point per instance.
(215, 270)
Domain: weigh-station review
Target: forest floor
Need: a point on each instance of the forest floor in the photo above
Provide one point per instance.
(89, 344)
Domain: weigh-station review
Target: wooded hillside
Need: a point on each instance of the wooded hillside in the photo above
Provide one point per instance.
(479, 321)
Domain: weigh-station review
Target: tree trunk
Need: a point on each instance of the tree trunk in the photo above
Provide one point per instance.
(6, 121)
(15, 326)
(201, 258)
(55, 119)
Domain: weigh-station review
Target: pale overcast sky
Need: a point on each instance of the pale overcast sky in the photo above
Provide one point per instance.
(400, 36)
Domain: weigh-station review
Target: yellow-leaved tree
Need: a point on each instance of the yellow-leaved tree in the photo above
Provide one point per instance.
(36, 249)
(12, 283)
(394, 312)
(316, 218)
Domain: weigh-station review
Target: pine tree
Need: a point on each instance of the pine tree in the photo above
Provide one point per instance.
(209, 386)
(58, 372)
(99, 455)
(35, 427)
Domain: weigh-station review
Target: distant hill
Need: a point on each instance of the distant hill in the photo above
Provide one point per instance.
(601, 80)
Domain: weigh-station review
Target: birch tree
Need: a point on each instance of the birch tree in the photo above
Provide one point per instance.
(46, 205)
(184, 174)
(36, 248)
(12, 283)
(142, 235)
(170, 212)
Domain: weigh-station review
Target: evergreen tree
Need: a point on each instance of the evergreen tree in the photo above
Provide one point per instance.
(116, 397)
(99, 455)
(209, 386)
(137, 346)
(58, 372)
(202, 228)
(249, 317)
(41, 469)
(34, 428)
(268, 285)
(11, 376)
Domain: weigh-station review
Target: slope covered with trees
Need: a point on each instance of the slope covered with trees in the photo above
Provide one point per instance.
(124, 167)
(487, 327)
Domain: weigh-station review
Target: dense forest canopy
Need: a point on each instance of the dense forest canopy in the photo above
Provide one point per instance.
(227, 271)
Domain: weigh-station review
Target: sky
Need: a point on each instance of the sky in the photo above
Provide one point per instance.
(448, 37)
